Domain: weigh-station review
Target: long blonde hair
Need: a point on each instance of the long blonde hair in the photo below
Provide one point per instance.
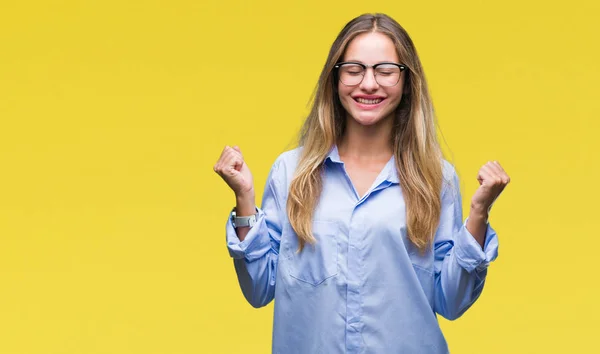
(417, 153)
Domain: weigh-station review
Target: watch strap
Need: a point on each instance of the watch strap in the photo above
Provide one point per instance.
(242, 221)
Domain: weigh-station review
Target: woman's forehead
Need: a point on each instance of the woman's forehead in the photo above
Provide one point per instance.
(371, 48)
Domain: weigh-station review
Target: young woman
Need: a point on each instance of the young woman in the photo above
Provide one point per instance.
(360, 238)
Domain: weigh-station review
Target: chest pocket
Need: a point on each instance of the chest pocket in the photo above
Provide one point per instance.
(315, 263)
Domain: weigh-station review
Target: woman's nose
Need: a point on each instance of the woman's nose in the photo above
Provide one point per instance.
(369, 83)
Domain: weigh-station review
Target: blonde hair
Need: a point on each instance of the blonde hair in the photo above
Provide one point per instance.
(416, 150)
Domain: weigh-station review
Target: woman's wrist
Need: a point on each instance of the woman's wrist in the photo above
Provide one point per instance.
(245, 204)
(479, 212)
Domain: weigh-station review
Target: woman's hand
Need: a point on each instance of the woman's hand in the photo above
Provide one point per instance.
(234, 171)
(492, 180)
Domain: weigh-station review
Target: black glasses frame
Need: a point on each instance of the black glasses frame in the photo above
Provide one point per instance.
(337, 66)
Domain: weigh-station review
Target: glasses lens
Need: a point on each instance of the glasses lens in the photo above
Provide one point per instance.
(387, 75)
(351, 74)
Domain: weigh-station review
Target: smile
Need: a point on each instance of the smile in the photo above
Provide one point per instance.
(367, 101)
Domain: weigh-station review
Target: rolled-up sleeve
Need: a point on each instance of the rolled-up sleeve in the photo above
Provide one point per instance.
(256, 244)
(469, 254)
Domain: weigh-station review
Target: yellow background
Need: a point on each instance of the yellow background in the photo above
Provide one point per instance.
(112, 114)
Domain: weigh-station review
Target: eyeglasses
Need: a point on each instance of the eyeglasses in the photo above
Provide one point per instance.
(353, 73)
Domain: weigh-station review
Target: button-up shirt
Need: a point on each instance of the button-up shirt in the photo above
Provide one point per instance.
(363, 287)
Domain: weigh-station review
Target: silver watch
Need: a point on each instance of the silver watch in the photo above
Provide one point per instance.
(241, 221)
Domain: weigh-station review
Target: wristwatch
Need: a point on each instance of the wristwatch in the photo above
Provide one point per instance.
(241, 221)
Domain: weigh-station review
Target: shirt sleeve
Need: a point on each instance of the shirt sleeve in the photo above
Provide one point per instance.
(460, 262)
(255, 258)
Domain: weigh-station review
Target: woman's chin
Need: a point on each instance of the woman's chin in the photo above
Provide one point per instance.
(367, 119)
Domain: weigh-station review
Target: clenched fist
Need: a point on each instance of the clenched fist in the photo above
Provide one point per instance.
(234, 171)
(492, 180)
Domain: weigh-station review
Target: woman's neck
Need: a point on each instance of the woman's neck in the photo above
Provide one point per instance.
(367, 143)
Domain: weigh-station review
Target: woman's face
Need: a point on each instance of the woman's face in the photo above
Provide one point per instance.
(369, 103)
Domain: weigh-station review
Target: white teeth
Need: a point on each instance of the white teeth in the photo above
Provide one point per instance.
(366, 101)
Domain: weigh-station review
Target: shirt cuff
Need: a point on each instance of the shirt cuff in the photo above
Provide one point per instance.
(469, 254)
(256, 242)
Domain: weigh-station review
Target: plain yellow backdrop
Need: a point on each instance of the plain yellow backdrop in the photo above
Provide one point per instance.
(112, 114)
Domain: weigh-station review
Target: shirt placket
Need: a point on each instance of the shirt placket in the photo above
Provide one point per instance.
(355, 276)
(354, 324)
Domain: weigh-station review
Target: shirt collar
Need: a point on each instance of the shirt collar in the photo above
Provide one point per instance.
(334, 155)
(392, 173)
(389, 169)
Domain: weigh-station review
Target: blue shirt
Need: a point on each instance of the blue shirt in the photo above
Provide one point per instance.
(363, 287)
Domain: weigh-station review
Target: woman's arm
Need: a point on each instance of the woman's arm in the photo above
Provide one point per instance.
(463, 251)
(255, 250)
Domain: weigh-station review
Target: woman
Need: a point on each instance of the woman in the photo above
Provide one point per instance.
(360, 237)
